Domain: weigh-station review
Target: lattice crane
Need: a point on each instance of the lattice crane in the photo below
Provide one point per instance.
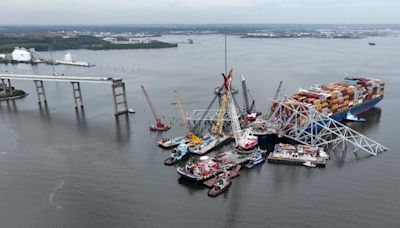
(217, 127)
(159, 126)
(244, 139)
(193, 139)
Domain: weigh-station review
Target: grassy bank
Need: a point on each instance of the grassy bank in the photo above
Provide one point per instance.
(41, 43)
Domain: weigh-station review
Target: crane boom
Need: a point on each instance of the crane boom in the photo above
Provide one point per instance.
(244, 139)
(278, 90)
(193, 139)
(151, 105)
(234, 119)
(206, 112)
(245, 96)
(218, 124)
(182, 113)
(232, 108)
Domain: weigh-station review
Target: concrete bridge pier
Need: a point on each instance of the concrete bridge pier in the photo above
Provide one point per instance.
(119, 97)
(76, 90)
(41, 93)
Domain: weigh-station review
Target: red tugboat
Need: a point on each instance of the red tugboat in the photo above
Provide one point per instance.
(159, 126)
(223, 183)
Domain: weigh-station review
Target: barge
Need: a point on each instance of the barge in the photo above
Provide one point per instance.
(208, 168)
(210, 142)
(168, 143)
(298, 155)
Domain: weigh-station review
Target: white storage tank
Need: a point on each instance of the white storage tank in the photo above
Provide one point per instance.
(21, 55)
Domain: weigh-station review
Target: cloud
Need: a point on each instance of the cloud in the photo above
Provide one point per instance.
(198, 11)
(207, 4)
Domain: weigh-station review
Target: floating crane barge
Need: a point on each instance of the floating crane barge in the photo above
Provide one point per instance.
(159, 126)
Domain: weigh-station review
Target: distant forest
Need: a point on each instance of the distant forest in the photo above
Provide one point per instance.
(166, 28)
(42, 43)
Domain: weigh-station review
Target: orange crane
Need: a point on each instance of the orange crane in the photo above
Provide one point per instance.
(159, 126)
(193, 139)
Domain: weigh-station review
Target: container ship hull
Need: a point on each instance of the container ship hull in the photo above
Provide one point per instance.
(359, 109)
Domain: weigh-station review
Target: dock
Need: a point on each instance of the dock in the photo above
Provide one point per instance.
(74, 63)
(290, 160)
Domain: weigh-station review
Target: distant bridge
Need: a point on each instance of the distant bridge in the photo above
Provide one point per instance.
(117, 85)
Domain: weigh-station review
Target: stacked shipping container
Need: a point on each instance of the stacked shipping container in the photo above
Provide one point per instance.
(339, 97)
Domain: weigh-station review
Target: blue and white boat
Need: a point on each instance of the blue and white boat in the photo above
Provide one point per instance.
(255, 160)
(180, 153)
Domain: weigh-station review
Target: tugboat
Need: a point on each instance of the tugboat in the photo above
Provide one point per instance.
(231, 174)
(354, 118)
(256, 160)
(179, 154)
(223, 183)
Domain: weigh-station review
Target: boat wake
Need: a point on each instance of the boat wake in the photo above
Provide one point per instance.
(59, 186)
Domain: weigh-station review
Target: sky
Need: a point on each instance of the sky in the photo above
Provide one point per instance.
(87, 12)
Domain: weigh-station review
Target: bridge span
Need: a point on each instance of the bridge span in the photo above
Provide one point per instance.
(117, 85)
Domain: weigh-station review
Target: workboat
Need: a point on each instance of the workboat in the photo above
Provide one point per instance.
(210, 142)
(309, 164)
(354, 118)
(172, 142)
(159, 127)
(179, 154)
(247, 145)
(231, 174)
(223, 183)
(255, 160)
(200, 171)
(207, 168)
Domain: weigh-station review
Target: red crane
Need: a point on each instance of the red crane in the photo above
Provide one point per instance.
(159, 126)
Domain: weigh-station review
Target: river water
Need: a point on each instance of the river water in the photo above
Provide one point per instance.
(61, 168)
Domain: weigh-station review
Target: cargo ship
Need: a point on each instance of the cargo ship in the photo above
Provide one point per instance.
(354, 95)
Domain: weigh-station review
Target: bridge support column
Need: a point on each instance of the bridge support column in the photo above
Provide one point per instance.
(76, 90)
(3, 86)
(40, 91)
(10, 88)
(119, 97)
